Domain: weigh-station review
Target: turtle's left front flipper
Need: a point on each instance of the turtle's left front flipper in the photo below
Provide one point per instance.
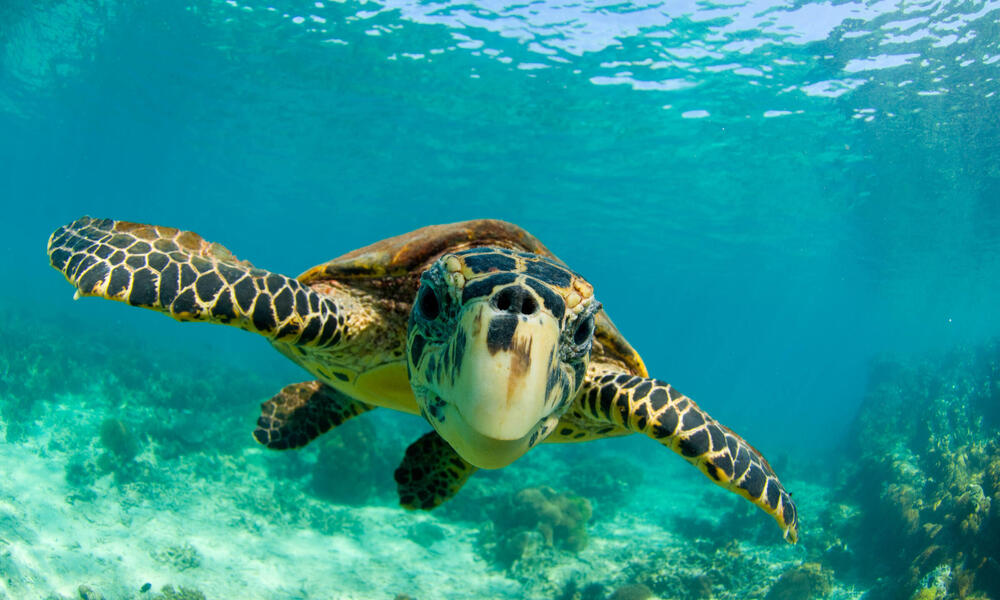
(653, 407)
(431, 473)
(182, 275)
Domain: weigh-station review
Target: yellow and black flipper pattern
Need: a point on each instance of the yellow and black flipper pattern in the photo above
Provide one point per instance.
(656, 409)
(431, 473)
(180, 274)
(301, 412)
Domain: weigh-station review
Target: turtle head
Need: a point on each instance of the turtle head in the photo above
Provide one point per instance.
(498, 346)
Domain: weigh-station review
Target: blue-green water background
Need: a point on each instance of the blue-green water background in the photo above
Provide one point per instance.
(766, 194)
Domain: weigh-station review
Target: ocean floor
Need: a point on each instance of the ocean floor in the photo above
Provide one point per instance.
(116, 486)
(224, 525)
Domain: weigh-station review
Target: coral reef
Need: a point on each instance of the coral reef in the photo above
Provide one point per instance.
(37, 368)
(537, 518)
(804, 582)
(590, 591)
(596, 591)
(181, 557)
(926, 472)
(709, 569)
(182, 593)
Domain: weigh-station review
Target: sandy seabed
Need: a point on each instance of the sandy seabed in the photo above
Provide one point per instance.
(223, 524)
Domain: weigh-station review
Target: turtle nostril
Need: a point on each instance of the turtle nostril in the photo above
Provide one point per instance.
(515, 300)
(528, 306)
(503, 301)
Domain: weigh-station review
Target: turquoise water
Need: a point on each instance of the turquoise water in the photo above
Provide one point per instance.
(767, 196)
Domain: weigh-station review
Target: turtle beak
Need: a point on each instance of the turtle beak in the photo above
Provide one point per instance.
(505, 382)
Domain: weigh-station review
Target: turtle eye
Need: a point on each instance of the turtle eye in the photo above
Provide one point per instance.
(428, 304)
(584, 329)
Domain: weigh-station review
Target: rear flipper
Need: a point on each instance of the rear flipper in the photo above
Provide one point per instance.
(431, 473)
(180, 274)
(654, 408)
(301, 412)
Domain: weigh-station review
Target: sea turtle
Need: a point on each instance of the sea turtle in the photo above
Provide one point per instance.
(476, 326)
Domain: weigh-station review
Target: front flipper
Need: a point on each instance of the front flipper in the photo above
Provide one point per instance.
(654, 408)
(301, 412)
(431, 473)
(180, 274)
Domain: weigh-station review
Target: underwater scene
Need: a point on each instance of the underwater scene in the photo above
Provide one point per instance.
(655, 299)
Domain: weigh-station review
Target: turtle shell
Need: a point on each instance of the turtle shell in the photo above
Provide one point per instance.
(391, 269)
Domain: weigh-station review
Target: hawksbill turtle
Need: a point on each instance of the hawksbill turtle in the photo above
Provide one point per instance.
(476, 326)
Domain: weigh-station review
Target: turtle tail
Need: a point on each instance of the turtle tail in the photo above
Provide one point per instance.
(182, 275)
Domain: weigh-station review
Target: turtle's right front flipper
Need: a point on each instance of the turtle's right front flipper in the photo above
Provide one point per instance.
(657, 409)
(180, 274)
